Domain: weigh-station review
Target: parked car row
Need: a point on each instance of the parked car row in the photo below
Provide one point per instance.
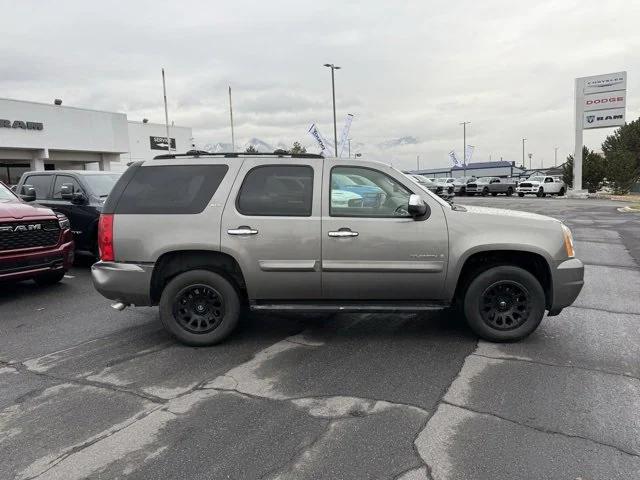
(461, 186)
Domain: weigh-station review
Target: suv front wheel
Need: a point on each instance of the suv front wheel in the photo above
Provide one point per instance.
(199, 307)
(504, 303)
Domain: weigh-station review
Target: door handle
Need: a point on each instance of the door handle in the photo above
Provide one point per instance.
(242, 230)
(343, 232)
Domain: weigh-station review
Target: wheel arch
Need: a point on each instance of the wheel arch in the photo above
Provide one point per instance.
(173, 263)
(476, 261)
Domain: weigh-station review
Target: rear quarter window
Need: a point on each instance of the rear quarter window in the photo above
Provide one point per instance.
(169, 189)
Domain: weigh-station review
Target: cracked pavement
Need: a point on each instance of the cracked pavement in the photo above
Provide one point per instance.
(88, 392)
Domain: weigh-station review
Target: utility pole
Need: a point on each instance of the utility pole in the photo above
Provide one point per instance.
(233, 137)
(349, 140)
(555, 157)
(464, 147)
(333, 92)
(523, 164)
(418, 161)
(530, 156)
(166, 111)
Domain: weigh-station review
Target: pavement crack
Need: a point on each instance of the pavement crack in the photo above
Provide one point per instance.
(543, 430)
(597, 309)
(79, 447)
(90, 383)
(557, 365)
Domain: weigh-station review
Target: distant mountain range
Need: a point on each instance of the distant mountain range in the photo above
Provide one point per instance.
(263, 146)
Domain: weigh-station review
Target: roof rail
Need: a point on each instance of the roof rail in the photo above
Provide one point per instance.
(203, 153)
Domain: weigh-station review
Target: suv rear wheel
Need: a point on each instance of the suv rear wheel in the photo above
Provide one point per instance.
(504, 303)
(199, 307)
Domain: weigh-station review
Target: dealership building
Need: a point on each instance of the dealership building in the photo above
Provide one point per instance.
(501, 168)
(39, 136)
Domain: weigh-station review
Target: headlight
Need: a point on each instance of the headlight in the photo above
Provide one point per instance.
(568, 241)
(63, 221)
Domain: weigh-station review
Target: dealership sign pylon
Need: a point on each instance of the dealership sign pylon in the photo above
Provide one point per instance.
(600, 103)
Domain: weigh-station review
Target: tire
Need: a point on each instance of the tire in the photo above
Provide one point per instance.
(462, 192)
(50, 278)
(503, 284)
(509, 192)
(521, 195)
(540, 193)
(561, 192)
(485, 192)
(494, 194)
(190, 291)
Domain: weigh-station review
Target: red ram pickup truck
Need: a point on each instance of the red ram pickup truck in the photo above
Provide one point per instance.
(35, 243)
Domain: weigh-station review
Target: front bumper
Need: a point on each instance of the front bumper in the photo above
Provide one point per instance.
(567, 283)
(128, 283)
(527, 189)
(26, 265)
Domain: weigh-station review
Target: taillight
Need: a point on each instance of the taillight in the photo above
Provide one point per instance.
(105, 237)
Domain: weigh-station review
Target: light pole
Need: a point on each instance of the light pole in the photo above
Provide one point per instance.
(523, 164)
(464, 147)
(555, 157)
(349, 140)
(530, 156)
(333, 92)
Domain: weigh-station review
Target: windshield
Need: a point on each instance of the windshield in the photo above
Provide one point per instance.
(484, 180)
(101, 185)
(536, 179)
(5, 194)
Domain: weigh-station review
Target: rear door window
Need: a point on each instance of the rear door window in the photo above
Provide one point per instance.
(170, 189)
(277, 190)
(42, 184)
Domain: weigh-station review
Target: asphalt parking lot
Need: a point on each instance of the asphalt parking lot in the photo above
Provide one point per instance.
(88, 392)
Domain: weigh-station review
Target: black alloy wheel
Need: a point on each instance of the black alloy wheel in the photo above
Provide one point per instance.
(485, 191)
(505, 305)
(198, 308)
(509, 192)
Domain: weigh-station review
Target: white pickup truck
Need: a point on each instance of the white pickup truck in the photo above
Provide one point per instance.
(541, 186)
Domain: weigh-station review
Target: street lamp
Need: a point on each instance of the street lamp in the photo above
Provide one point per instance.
(523, 164)
(464, 146)
(555, 157)
(333, 92)
(530, 156)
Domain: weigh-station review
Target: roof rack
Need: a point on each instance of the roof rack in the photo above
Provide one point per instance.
(203, 153)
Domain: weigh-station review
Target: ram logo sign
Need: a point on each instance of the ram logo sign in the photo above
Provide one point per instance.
(21, 228)
(604, 118)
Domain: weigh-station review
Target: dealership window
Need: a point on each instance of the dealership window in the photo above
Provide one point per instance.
(10, 173)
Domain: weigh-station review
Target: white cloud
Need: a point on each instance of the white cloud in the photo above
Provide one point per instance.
(410, 68)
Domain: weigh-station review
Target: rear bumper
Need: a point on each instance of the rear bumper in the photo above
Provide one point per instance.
(23, 266)
(567, 283)
(128, 283)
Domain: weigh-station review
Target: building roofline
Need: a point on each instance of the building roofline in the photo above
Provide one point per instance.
(62, 106)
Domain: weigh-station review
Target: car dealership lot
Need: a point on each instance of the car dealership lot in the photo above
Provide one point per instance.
(86, 391)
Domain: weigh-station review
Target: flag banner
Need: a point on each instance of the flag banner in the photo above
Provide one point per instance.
(468, 154)
(317, 136)
(345, 134)
(452, 156)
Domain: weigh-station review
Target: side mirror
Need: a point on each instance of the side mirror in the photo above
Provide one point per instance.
(417, 208)
(66, 191)
(78, 198)
(28, 193)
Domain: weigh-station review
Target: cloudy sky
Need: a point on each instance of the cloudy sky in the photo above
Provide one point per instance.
(409, 68)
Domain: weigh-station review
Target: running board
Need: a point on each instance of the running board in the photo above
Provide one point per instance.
(368, 307)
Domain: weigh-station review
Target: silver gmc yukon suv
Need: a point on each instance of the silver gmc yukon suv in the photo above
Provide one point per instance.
(205, 235)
